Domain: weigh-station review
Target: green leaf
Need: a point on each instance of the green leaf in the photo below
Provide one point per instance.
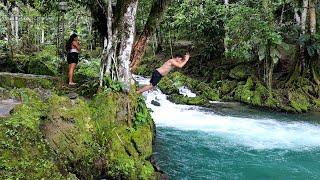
(262, 53)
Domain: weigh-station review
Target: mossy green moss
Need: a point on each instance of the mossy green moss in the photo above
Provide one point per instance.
(180, 99)
(260, 94)
(299, 101)
(226, 86)
(69, 132)
(69, 137)
(24, 153)
(167, 86)
(38, 67)
(241, 72)
(244, 93)
(128, 153)
(206, 91)
(10, 80)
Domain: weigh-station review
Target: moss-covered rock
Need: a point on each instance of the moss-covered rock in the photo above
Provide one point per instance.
(69, 132)
(167, 86)
(299, 101)
(180, 99)
(24, 152)
(62, 138)
(244, 93)
(260, 94)
(241, 72)
(205, 90)
(227, 86)
(14, 80)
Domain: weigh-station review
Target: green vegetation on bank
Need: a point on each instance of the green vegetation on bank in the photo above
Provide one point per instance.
(239, 83)
(51, 136)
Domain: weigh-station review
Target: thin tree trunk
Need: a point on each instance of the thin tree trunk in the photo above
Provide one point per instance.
(304, 16)
(313, 17)
(156, 13)
(313, 26)
(226, 3)
(297, 16)
(303, 28)
(105, 65)
(127, 43)
(16, 23)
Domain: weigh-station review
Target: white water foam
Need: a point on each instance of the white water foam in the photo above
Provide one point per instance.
(186, 92)
(254, 133)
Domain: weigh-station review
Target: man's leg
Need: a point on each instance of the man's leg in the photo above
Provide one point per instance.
(145, 88)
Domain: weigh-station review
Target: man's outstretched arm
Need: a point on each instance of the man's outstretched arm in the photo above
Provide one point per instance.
(184, 62)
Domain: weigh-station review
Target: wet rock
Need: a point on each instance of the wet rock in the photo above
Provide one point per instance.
(6, 106)
(155, 103)
(44, 94)
(73, 95)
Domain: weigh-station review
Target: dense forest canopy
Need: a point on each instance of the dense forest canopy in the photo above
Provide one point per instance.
(272, 33)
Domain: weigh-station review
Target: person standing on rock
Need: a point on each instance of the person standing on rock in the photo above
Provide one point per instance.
(158, 74)
(73, 49)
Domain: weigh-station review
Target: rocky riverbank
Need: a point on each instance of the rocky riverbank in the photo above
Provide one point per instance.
(50, 135)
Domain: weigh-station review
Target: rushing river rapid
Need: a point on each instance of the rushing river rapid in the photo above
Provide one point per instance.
(233, 141)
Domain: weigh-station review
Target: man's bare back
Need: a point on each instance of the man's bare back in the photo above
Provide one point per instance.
(166, 67)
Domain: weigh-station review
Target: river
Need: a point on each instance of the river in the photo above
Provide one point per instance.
(233, 141)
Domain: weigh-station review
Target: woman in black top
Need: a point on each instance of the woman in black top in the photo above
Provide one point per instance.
(73, 49)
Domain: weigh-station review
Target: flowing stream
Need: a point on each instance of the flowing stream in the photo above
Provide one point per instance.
(233, 141)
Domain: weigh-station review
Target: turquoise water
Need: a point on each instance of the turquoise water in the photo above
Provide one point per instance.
(233, 141)
(199, 155)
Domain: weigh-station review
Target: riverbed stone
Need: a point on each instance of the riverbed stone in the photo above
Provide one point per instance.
(155, 103)
(6, 106)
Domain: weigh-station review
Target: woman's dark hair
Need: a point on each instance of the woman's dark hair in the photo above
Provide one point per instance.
(69, 42)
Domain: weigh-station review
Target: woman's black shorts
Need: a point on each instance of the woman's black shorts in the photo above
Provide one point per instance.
(155, 78)
(73, 58)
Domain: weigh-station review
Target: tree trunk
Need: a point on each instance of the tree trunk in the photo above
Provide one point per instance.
(156, 13)
(270, 74)
(226, 3)
(126, 44)
(304, 16)
(105, 66)
(16, 23)
(297, 17)
(313, 17)
(313, 26)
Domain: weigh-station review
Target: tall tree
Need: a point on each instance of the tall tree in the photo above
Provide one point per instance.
(118, 39)
(157, 10)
